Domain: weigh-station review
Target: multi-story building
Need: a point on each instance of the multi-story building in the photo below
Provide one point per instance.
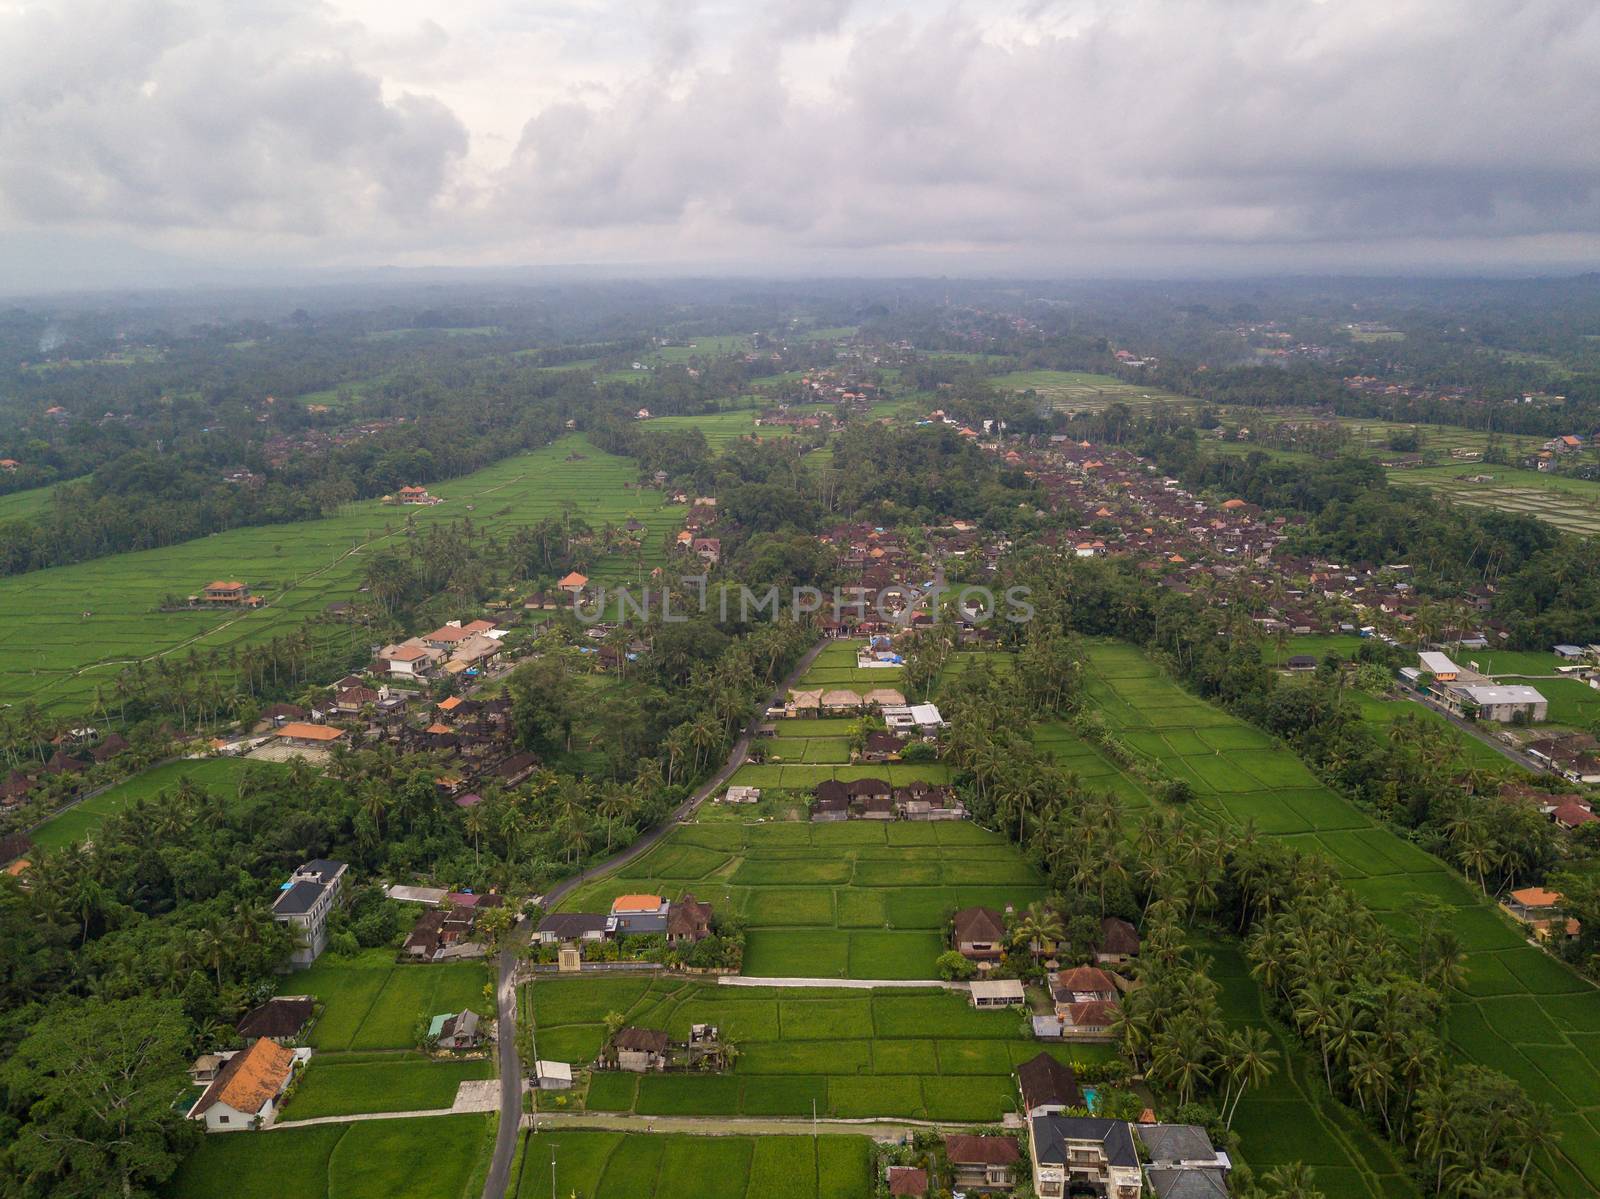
(304, 903)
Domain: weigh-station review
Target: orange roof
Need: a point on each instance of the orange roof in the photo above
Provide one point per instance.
(310, 732)
(1536, 897)
(19, 867)
(1232, 504)
(436, 727)
(223, 586)
(451, 704)
(573, 580)
(636, 903)
(250, 1079)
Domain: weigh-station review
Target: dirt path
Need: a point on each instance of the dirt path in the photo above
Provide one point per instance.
(879, 1129)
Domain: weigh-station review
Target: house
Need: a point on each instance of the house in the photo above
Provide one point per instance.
(1083, 1155)
(1570, 653)
(553, 1076)
(1048, 1086)
(882, 747)
(1119, 941)
(840, 700)
(907, 1182)
(304, 903)
(1536, 907)
(742, 795)
(977, 933)
(454, 1030)
(409, 659)
(1500, 704)
(205, 1067)
(573, 584)
(1082, 984)
(308, 736)
(279, 1019)
(998, 993)
(689, 921)
(875, 807)
(574, 926)
(640, 1049)
(1300, 663)
(708, 549)
(1439, 666)
(1181, 1162)
(868, 788)
(426, 937)
(224, 592)
(829, 810)
(982, 1163)
(246, 1092)
(803, 703)
(640, 914)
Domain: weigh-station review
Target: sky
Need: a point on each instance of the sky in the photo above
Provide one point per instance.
(154, 139)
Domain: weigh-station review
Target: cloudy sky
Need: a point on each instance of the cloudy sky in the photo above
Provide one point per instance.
(1074, 137)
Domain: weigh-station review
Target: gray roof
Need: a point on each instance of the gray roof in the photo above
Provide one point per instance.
(298, 899)
(573, 924)
(1186, 1184)
(1051, 1135)
(1177, 1143)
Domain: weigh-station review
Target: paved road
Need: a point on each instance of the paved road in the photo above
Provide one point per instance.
(505, 1145)
(505, 1141)
(432, 1111)
(736, 757)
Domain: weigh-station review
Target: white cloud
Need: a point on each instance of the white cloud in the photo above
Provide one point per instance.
(1243, 133)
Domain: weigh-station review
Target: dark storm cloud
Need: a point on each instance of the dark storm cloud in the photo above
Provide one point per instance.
(1253, 132)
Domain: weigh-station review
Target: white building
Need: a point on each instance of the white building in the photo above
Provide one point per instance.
(247, 1091)
(303, 904)
(1497, 703)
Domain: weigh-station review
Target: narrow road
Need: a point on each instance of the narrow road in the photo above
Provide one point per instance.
(736, 757)
(857, 984)
(879, 1129)
(505, 1144)
(505, 1141)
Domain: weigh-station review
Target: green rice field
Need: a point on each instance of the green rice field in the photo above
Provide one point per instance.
(854, 899)
(371, 1003)
(615, 1165)
(343, 1084)
(918, 1053)
(217, 775)
(86, 621)
(1293, 1117)
(1080, 391)
(440, 1157)
(1522, 1012)
(1572, 505)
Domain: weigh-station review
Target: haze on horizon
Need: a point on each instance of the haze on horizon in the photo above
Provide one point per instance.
(168, 141)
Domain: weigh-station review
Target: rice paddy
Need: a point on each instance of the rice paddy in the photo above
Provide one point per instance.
(1572, 505)
(615, 1165)
(1080, 391)
(441, 1157)
(1521, 1012)
(855, 899)
(72, 628)
(917, 1053)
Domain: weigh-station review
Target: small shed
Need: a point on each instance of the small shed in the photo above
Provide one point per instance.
(997, 993)
(553, 1076)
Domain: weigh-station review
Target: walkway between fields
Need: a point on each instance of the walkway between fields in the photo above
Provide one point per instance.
(853, 984)
(733, 1126)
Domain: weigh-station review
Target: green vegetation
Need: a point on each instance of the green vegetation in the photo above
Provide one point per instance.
(85, 622)
(219, 775)
(847, 900)
(1081, 391)
(921, 1053)
(1270, 790)
(370, 1002)
(614, 1165)
(343, 1084)
(440, 1157)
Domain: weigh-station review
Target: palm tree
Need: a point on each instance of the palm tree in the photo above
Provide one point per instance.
(1040, 925)
(1292, 1181)
(1250, 1060)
